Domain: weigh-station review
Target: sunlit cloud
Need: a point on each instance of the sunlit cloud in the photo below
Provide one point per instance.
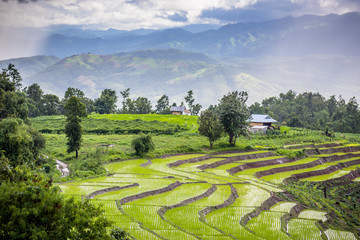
(132, 14)
(15, 15)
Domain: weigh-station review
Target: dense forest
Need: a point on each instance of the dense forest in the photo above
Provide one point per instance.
(312, 110)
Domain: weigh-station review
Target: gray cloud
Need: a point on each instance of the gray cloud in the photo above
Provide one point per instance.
(264, 10)
(20, 1)
(178, 17)
(155, 14)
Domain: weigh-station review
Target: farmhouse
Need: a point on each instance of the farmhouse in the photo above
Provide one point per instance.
(179, 110)
(260, 123)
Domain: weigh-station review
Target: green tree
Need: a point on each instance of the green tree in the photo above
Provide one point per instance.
(50, 105)
(106, 103)
(196, 109)
(142, 105)
(89, 103)
(74, 111)
(125, 95)
(234, 114)
(34, 94)
(12, 102)
(142, 144)
(73, 92)
(189, 99)
(210, 126)
(163, 105)
(10, 79)
(19, 142)
(31, 209)
(256, 108)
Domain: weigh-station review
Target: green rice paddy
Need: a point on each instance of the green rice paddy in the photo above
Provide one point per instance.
(199, 190)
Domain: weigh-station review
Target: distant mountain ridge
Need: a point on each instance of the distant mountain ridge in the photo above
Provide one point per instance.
(291, 36)
(152, 73)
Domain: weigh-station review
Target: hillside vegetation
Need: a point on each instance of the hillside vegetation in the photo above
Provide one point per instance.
(121, 124)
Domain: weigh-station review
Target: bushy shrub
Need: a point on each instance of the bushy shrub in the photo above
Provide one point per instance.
(292, 154)
(119, 234)
(142, 144)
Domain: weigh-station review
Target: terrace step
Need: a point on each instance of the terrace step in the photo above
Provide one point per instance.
(191, 160)
(266, 205)
(168, 188)
(294, 213)
(353, 174)
(328, 145)
(164, 209)
(232, 198)
(260, 164)
(317, 151)
(324, 171)
(111, 189)
(235, 159)
(208, 192)
(306, 165)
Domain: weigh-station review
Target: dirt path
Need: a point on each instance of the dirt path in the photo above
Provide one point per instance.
(63, 167)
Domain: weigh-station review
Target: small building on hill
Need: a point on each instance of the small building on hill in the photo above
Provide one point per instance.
(179, 110)
(260, 123)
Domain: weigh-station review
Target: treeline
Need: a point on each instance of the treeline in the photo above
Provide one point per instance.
(40, 104)
(31, 101)
(312, 110)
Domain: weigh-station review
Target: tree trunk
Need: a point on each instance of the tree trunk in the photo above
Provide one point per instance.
(77, 154)
(211, 145)
(231, 136)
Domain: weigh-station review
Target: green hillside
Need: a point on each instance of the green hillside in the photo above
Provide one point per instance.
(121, 124)
(150, 74)
(28, 66)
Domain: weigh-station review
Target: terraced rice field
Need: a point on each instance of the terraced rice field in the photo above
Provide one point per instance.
(220, 196)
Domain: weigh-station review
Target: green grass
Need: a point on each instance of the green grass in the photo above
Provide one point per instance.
(267, 225)
(227, 220)
(311, 214)
(304, 229)
(282, 207)
(279, 177)
(91, 125)
(339, 235)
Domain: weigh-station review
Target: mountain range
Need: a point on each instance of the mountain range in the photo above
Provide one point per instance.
(308, 53)
(291, 36)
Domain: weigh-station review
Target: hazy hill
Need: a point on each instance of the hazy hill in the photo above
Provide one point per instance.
(152, 73)
(28, 66)
(297, 37)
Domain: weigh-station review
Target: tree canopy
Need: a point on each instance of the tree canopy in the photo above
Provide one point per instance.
(233, 114)
(31, 209)
(74, 111)
(106, 103)
(163, 105)
(20, 142)
(312, 110)
(189, 99)
(210, 126)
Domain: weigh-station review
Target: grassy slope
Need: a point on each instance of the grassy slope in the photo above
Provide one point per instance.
(121, 123)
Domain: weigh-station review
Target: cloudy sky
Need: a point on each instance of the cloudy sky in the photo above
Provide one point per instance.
(155, 14)
(18, 18)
